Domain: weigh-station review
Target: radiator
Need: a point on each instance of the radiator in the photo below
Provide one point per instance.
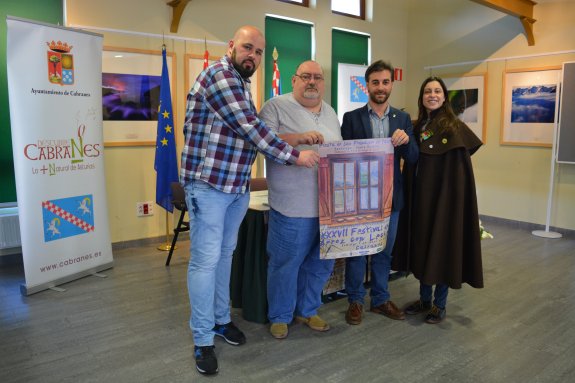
(9, 228)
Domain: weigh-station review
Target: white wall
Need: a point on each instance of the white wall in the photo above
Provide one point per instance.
(129, 170)
(512, 181)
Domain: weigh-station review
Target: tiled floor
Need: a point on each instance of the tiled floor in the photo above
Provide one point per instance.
(133, 327)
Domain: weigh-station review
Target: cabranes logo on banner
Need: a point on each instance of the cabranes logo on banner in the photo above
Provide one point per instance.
(73, 151)
(74, 215)
(60, 63)
(67, 217)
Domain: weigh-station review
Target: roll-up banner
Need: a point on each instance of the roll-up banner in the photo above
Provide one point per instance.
(55, 94)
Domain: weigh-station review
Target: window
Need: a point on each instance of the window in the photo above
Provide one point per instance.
(351, 8)
(344, 188)
(356, 187)
(346, 48)
(304, 3)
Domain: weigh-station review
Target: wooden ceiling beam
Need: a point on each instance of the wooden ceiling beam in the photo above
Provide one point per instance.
(178, 7)
(522, 9)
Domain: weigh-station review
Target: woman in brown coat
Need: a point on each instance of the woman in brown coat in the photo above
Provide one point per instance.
(443, 237)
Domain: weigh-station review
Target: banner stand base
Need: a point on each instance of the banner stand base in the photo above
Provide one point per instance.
(166, 247)
(546, 234)
(99, 275)
(57, 289)
(25, 290)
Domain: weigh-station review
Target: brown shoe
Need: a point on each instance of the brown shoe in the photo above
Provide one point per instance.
(436, 315)
(354, 313)
(390, 310)
(279, 330)
(314, 322)
(417, 307)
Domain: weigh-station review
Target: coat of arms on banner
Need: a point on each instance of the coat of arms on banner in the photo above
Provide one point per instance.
(355, 183)
(357, 89)
(67, 217)
(60, 63)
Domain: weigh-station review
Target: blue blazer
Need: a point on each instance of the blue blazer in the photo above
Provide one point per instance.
(356, 126)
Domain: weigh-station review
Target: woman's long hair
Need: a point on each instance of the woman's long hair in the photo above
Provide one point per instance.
(446, 118)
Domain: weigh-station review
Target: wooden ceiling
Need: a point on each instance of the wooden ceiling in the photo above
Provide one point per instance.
(523, 9)
(178, 7)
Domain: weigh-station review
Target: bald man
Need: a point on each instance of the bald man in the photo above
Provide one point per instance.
(222, 133)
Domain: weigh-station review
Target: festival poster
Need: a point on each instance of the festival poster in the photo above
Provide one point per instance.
(55, 92)
(355, 181)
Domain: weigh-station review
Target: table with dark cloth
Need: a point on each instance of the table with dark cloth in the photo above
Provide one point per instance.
(248, 283)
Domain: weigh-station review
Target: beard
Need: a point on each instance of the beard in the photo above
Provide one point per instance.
(243, 71)
(374, 97)
(311, 93)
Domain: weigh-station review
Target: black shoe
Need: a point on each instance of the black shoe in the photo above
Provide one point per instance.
(417, 307)
(435, 316)
(206, 361)
(230, 333)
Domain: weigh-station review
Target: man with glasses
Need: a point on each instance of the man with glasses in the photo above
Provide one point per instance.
(378, 119)
(296, 274)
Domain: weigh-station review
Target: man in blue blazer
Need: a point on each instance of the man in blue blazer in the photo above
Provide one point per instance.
(378, 119)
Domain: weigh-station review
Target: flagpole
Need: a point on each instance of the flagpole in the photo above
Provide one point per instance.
(167, 246)
(165, 162)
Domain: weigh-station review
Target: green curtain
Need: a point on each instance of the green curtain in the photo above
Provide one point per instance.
(346, 48)
(49, 11)
(293, 43)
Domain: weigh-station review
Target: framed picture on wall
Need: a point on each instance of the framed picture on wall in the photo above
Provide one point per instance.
(131, 81)
(530, 102)
(194, 64)
(468, 97)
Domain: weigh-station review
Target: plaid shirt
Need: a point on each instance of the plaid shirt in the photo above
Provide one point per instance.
(222, 131)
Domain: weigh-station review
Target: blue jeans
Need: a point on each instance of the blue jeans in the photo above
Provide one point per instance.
(380, 267)
(215, 218)
(440, 295)
(296, 274)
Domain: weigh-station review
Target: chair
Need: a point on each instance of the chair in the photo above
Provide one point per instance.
(179, 202)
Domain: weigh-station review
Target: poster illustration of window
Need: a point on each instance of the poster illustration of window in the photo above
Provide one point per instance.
(355, 182)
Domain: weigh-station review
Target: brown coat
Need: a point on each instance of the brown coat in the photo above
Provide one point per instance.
(438, 238)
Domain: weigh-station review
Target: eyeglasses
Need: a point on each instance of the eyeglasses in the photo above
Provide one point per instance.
(306, 77)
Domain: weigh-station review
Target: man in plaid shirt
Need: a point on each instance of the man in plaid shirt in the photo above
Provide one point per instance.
(222, 133)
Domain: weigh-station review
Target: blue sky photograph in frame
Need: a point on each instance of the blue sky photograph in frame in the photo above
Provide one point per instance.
(530, 100)
(533, 103)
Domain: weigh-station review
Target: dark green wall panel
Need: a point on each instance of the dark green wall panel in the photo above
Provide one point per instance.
(293, 42)
(49, 11)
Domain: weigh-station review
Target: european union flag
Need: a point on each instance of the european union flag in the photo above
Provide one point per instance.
(165, 164)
